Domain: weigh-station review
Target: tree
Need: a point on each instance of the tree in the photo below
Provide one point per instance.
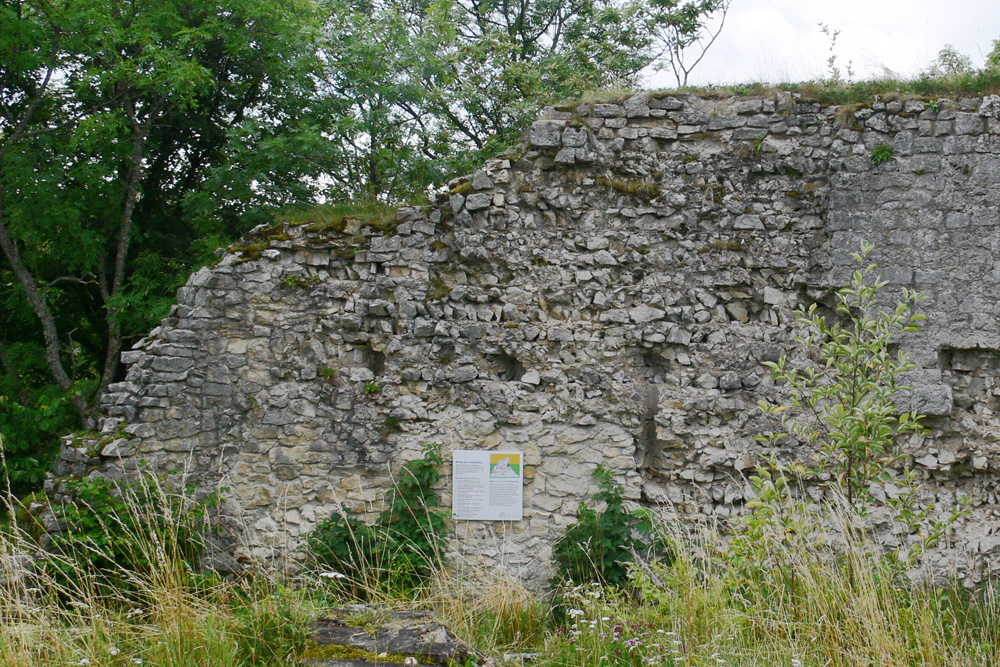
(684, 31)
(949, 62)
(844, 409)
(423, 90)
(993, 58)
(133, 136)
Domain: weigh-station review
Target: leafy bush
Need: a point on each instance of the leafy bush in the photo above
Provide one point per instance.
(398, 553)
(845, 410)
(600, 545)
(31, 421)
(114, 534)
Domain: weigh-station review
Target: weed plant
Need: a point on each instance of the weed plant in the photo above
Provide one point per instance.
(691, 614)
(124, 592)
(395, 556)
(602, 543)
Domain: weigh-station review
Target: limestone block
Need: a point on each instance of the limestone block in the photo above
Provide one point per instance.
(637, 106)
(477, 201)
(574, 137)
(932, 400)
(546, 133)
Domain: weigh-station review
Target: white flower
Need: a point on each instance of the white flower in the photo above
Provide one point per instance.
(84, 661)
(573, 613)
(796, 662)
(332, 575)
(114, 650)
(410, 661)
(136, 661)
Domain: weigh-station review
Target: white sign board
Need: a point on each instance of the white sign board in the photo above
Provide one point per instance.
(487, 486)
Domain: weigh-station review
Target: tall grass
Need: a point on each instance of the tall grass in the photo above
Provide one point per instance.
(849, 610)
(63, 612)
(844, 607)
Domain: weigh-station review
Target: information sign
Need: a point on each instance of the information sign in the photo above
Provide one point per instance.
(487, 485)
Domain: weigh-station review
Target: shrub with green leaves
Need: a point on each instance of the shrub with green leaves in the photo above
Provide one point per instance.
(842, 407)
(114, 534)
(396, 554)
(882, 153)
(600, 545)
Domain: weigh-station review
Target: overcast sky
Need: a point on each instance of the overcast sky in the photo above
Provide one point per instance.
(775, 41)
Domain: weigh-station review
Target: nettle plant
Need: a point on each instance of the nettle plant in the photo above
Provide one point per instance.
(399, 552)
(601, 545)
(844, 409)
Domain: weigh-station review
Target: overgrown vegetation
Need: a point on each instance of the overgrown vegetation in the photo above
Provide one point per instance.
(113, 535)
(397, 554)
(603, 543)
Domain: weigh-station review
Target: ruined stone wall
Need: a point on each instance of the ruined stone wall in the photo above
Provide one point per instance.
(606, 297)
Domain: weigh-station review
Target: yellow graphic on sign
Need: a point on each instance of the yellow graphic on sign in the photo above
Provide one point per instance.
(505, 465)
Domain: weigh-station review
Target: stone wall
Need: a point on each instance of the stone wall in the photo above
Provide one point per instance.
(607, 297)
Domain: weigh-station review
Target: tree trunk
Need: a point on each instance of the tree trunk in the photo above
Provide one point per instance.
(114, 348)
(53, 349)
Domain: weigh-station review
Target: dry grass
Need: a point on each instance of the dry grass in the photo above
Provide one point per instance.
(848, 611)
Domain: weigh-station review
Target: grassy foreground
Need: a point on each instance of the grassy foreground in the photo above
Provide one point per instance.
(691, 612)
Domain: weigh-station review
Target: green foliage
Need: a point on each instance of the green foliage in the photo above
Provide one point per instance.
(421, 92)
(993, 57)
(31, 420)
(601, 544)
(135, 138)
(857, 426)
(396, 554)
(844, 411)
(372, 388)
(949, 62)
(881, 153)
(115, 534)
(270, 623)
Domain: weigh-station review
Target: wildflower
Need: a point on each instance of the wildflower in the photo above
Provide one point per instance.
(410, 660)
(332, 575)
(796, 662)
(605, 618)
(114, 650)
(573, 613)
(84, 661)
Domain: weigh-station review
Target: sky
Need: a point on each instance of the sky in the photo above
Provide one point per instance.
(776, 41)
